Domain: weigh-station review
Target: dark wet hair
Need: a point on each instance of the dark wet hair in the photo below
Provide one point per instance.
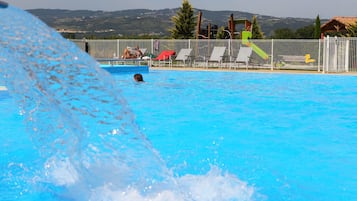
(138, 77)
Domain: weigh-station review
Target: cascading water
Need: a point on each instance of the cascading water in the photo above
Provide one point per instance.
(88, 143)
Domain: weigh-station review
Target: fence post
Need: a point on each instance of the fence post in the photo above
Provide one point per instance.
(326, 54)
(272, 55)
(318, 57)
(347, 55)
(118, 48)
(229, 49)
(335, 58)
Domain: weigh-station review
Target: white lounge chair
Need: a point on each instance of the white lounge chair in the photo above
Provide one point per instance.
(184, 55)
(217, 55)
(244, 55)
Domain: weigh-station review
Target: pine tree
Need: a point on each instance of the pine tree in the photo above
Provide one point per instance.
(184, 22)
(256, 30)
(317, 31)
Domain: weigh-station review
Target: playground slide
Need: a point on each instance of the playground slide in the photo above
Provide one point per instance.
(245, 40)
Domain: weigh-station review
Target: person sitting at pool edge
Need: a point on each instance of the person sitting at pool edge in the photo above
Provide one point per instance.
(138, 77)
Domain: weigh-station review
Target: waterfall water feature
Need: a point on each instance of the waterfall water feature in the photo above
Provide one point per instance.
(88, 144)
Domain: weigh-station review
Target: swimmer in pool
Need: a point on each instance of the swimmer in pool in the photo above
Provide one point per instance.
(138, 77)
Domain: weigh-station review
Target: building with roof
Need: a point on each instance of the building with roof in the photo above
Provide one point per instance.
(338, 25)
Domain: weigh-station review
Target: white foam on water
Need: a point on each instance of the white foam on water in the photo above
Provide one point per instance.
(212, 186)
(215, 185)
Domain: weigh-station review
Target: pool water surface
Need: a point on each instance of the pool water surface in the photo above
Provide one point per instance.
(291, 136)
(72, 131)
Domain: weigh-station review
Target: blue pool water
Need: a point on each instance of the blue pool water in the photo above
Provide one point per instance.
(291, 137)
(71, 131)
(285, 136)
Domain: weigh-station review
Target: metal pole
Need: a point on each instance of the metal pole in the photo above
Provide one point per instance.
(118, 49)
(272, 55)
(335, 58)
(327, 54)
(318, 58)
(347, 55)
(229, 46)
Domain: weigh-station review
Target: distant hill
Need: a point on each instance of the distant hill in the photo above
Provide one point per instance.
(155, 23)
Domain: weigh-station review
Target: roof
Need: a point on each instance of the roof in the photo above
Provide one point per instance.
(346, 20)
(338, 23)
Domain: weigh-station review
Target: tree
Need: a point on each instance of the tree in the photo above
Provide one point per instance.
(184, 22)
(306, 32)
(284, 33)
(256, 30)
(317, 30)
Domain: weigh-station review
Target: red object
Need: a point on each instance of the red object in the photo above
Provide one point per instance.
(165, 55)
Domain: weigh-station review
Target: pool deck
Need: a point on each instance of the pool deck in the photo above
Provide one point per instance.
(126, 68)
(252, 70)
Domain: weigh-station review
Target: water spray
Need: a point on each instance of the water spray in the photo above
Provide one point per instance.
(3, 4)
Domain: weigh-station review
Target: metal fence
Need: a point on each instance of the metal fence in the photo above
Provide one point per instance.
(329, 55)
(340, 54)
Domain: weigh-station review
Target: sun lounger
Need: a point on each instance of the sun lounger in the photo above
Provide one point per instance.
(217, 55)
(183, 55)
(164, 58)
(244, 56)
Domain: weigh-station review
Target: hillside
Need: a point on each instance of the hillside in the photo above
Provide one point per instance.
(102, 24)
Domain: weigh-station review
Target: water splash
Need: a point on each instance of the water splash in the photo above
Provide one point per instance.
(83, 129)
(79, 121)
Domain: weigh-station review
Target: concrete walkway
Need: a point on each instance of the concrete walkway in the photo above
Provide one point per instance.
(250, 70)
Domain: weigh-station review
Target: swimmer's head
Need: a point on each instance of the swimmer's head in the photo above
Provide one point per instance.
(138, 77)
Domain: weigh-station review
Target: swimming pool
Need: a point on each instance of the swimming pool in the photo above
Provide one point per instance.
(287, 136)
(291, 136)
(72, 131)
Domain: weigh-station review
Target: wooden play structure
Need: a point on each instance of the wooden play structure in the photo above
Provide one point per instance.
(244, 34)
(211, 31)
(232, 26)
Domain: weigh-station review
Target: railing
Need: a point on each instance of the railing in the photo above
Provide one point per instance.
(340, 54)
(329, 54)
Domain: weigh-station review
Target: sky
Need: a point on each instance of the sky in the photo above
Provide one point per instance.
(326, 9)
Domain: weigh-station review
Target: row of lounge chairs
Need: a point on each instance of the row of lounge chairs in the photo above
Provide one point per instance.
(185, 56)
